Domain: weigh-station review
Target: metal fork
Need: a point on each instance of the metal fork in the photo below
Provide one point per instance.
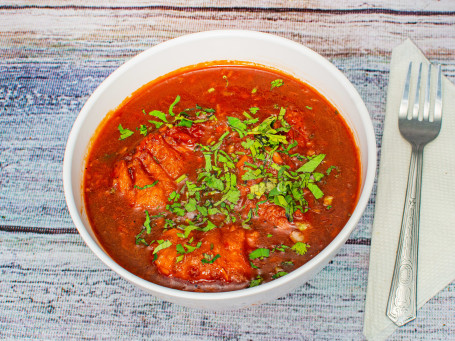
(418, 127)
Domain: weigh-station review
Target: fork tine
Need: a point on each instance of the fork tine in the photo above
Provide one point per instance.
(404, 105)
(415, 111)
(426, 103)
(438, 101)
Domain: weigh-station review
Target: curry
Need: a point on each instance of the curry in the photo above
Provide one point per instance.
(220, 177)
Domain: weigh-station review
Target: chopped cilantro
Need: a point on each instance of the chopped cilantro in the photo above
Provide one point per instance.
(253, 110)
(143, 130)
(300, 248)
(159, 114)
(157, 124)
(279, 274)
(124, 133)
(185, 123)
(147, 223)
(315, 190)
(146, 186)
(311, 165)
(209, 259)
(259, 253)
(330, 169)
(276, 83)
(163, 245)
(171, 107)
(255, 282)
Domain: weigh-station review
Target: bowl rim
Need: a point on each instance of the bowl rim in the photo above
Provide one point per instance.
(318, 260)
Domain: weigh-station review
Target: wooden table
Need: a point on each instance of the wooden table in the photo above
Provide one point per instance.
(53, 54)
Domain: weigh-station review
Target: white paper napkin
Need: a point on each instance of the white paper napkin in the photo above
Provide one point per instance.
(436, 268)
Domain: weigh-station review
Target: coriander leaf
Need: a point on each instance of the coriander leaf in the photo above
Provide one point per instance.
(185, 123)
(311, 165)
(255, 282)
(159, 114)
(202, 210)
(300, 248)
(207, 110)
(157, 124)
(209, 259)
(254, 110)
(124, 133)
(143, 130)
(236, 123)
(247, 144)
(181, 178)
(146, 186)
(259, 253)
(252, 174)
(317, 176)
(279, 274)
(180, 249)
(188, 229)
(210, 226)
(171, 107)
(277, 139)
(318, 194)
(162, 246)
(208, 162)
(213, 211)
(251, 121)
(192, 248)
(147, 223)
(330, 169)
(213, 182)
(276, 83)
(191, 205)
(309, 108)
(232, 196)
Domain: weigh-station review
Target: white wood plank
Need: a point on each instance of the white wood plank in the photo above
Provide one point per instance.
(57, 286)
(418, 5)
(79, 34)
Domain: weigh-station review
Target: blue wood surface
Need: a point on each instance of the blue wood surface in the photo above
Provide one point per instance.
(51, 60)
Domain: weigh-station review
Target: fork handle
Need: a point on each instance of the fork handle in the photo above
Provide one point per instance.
(402, 304)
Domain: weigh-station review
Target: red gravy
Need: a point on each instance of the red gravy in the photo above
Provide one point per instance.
(219, 177)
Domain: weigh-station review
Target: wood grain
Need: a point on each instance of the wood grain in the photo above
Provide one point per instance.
(281, 5)
(36, 33)
(53, 54)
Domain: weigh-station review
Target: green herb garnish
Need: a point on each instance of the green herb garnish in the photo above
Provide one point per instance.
(259, 253)
(255, 282)
(163, 244)
(171, 107)
(276, 83)
(209, 259)
(124, 133)
(159, 114)
(146, 186)
(300, 248)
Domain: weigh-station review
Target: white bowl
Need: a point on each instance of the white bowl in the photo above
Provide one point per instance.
(159, 60)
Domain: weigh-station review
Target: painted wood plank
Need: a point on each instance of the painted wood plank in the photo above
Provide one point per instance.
(105, 34)
(57, 286)
(418, 5)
